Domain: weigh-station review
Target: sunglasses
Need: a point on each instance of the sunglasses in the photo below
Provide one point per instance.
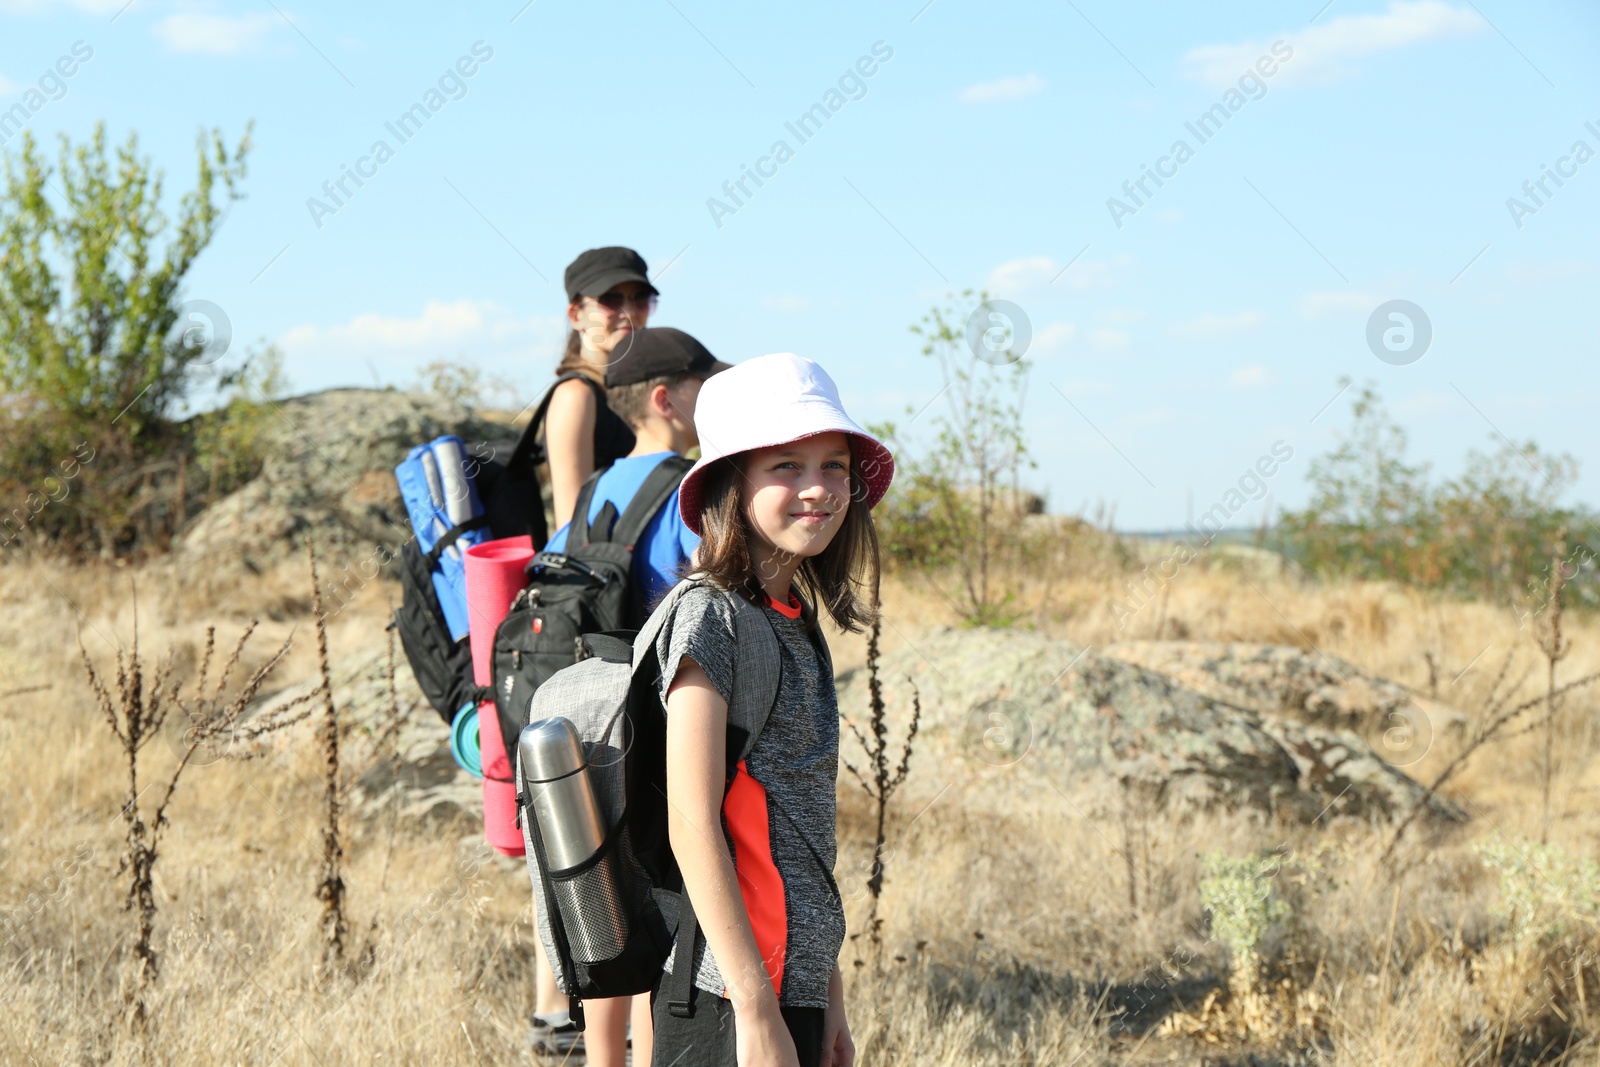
(614, 300)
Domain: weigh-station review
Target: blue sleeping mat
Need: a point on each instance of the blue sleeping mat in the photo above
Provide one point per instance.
(440, 495)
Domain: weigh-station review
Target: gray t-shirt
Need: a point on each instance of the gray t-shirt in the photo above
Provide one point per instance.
(790, 778)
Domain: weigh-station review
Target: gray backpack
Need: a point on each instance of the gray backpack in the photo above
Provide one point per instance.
(610, 697)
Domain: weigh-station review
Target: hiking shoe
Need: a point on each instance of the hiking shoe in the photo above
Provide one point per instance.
(550, 1040)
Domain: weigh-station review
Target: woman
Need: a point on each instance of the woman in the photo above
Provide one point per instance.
(609, 295)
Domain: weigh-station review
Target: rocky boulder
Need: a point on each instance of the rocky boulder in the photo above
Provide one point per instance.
(1052, 709)
(328, 472)
(1300, 684)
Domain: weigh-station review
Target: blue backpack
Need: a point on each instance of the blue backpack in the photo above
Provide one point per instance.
(458, 495)
(441, 498)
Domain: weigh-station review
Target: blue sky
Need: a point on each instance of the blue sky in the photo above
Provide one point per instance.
(1169, 352)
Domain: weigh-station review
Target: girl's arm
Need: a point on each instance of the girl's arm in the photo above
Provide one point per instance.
(697, 724)
(569, 444)
(838, 1049)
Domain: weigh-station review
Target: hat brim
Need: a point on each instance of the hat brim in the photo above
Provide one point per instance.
(874, 463)
(603, 283)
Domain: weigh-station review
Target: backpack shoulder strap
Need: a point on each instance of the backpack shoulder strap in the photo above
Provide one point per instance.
(757, 671)
(658, 485)
(578, 527)
(528, 448)
(644, 642)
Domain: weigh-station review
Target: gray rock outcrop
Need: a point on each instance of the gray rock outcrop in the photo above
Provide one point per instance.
(1050, 708)
(328, 472)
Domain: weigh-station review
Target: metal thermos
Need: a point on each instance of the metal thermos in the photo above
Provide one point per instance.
(572, 829)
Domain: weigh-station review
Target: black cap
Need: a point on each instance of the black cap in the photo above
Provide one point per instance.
(598, 269)
(660, 352)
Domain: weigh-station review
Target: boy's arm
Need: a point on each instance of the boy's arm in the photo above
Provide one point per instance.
(697, 723)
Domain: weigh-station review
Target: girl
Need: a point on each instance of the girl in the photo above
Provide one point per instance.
(609, 296)
(781, 498)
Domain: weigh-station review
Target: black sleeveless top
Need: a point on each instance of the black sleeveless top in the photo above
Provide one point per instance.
(612, 437)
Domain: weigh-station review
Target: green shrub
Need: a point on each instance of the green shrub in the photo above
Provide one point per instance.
(93, 371)
(1240, 895)
(1546, 893)
(956, 514)
(1487, 533)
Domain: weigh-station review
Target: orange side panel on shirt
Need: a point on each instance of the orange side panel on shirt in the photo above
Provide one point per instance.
(745, 809)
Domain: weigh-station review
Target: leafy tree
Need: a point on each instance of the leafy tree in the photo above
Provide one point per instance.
(956, 510)
(1369, 507)
(94, 363)
(1501, 519)
(1489, 532)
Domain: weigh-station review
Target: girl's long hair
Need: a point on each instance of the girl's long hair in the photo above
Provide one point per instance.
(841, 579)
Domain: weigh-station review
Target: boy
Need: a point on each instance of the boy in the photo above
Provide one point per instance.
(652, 383)
(653, 386)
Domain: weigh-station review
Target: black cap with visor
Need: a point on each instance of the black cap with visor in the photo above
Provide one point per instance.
(660, 352)
(600, 269)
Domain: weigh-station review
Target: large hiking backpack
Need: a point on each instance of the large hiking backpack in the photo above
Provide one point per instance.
(585, 588)
(611, 699)
(503, 500)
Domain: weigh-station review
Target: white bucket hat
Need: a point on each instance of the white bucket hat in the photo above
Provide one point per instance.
(772, 400)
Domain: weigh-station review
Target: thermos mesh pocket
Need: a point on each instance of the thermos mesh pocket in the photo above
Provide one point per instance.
(592, 912)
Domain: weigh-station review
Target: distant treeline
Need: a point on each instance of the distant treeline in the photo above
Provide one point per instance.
(1495, 531)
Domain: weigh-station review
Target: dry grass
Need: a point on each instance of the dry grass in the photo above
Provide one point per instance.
(1010, 938)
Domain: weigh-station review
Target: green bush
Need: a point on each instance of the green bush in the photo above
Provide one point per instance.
(1239, 893)
(1546, 893)
(92, 370)
(956, 513)
(1490, 533)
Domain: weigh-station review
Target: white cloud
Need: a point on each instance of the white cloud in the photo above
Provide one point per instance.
(1251, 375)
(94, 7)
(1107, 339)
(214, 35)
(1323, 52)
(1095, 273)
(1533, 273)
(7, 86)
(1054, 336)
(1017, 275)
(1013, 88)
(1318, 305)
(1170, 215)
(1213, 327)
(441, 325)
(375, 347)
(788, 303)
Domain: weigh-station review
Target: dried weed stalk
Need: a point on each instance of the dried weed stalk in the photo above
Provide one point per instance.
(884, 781)
(1485, 733)
(1555, 648)
(136, 715)
(330, 890)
